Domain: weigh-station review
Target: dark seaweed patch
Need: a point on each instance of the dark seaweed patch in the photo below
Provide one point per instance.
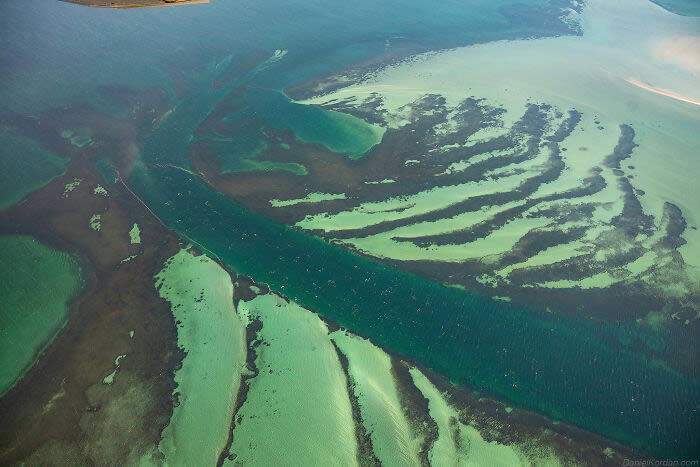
(415, 407)
(624, 148)
(252, 342)
(675, 226)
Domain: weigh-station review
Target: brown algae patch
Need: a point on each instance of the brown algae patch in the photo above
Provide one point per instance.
(61, 411)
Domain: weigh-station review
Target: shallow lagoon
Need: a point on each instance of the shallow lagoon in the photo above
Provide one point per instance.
(20, 176)
(592, 73)
(493, 347)
(37, 284)
(550, 364)
(500, 346)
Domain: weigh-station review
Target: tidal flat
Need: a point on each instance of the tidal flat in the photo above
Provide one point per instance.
(594, 84)
(548, 191)
(481, 261)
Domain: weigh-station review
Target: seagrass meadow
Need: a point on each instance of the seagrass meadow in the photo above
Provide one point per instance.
(315, 233)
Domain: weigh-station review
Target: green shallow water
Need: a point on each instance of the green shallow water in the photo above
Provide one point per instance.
(105, 168)
(24, 167)
(200, 293)
(36, 284)
(341, 133)
(680, 7)
(571, 370)
(297, 411)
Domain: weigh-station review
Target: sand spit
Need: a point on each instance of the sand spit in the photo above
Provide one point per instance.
(460, 444)
(662, 92)
(370, 368)
(310, 198)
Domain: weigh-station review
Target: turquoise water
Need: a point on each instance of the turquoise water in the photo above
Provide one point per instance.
(105, 168)
(571, 370)
(36, 284)
(339, 132)
(577, 371)
(680, 7)
(57, 53)
(24, 167)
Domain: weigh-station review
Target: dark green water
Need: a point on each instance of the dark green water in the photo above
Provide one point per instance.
(105, 168)
(572, 370)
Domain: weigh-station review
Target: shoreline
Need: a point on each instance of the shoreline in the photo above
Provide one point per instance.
(662, 92)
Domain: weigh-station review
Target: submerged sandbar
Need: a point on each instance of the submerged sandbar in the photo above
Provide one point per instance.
(201, 296)
(36, 283)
